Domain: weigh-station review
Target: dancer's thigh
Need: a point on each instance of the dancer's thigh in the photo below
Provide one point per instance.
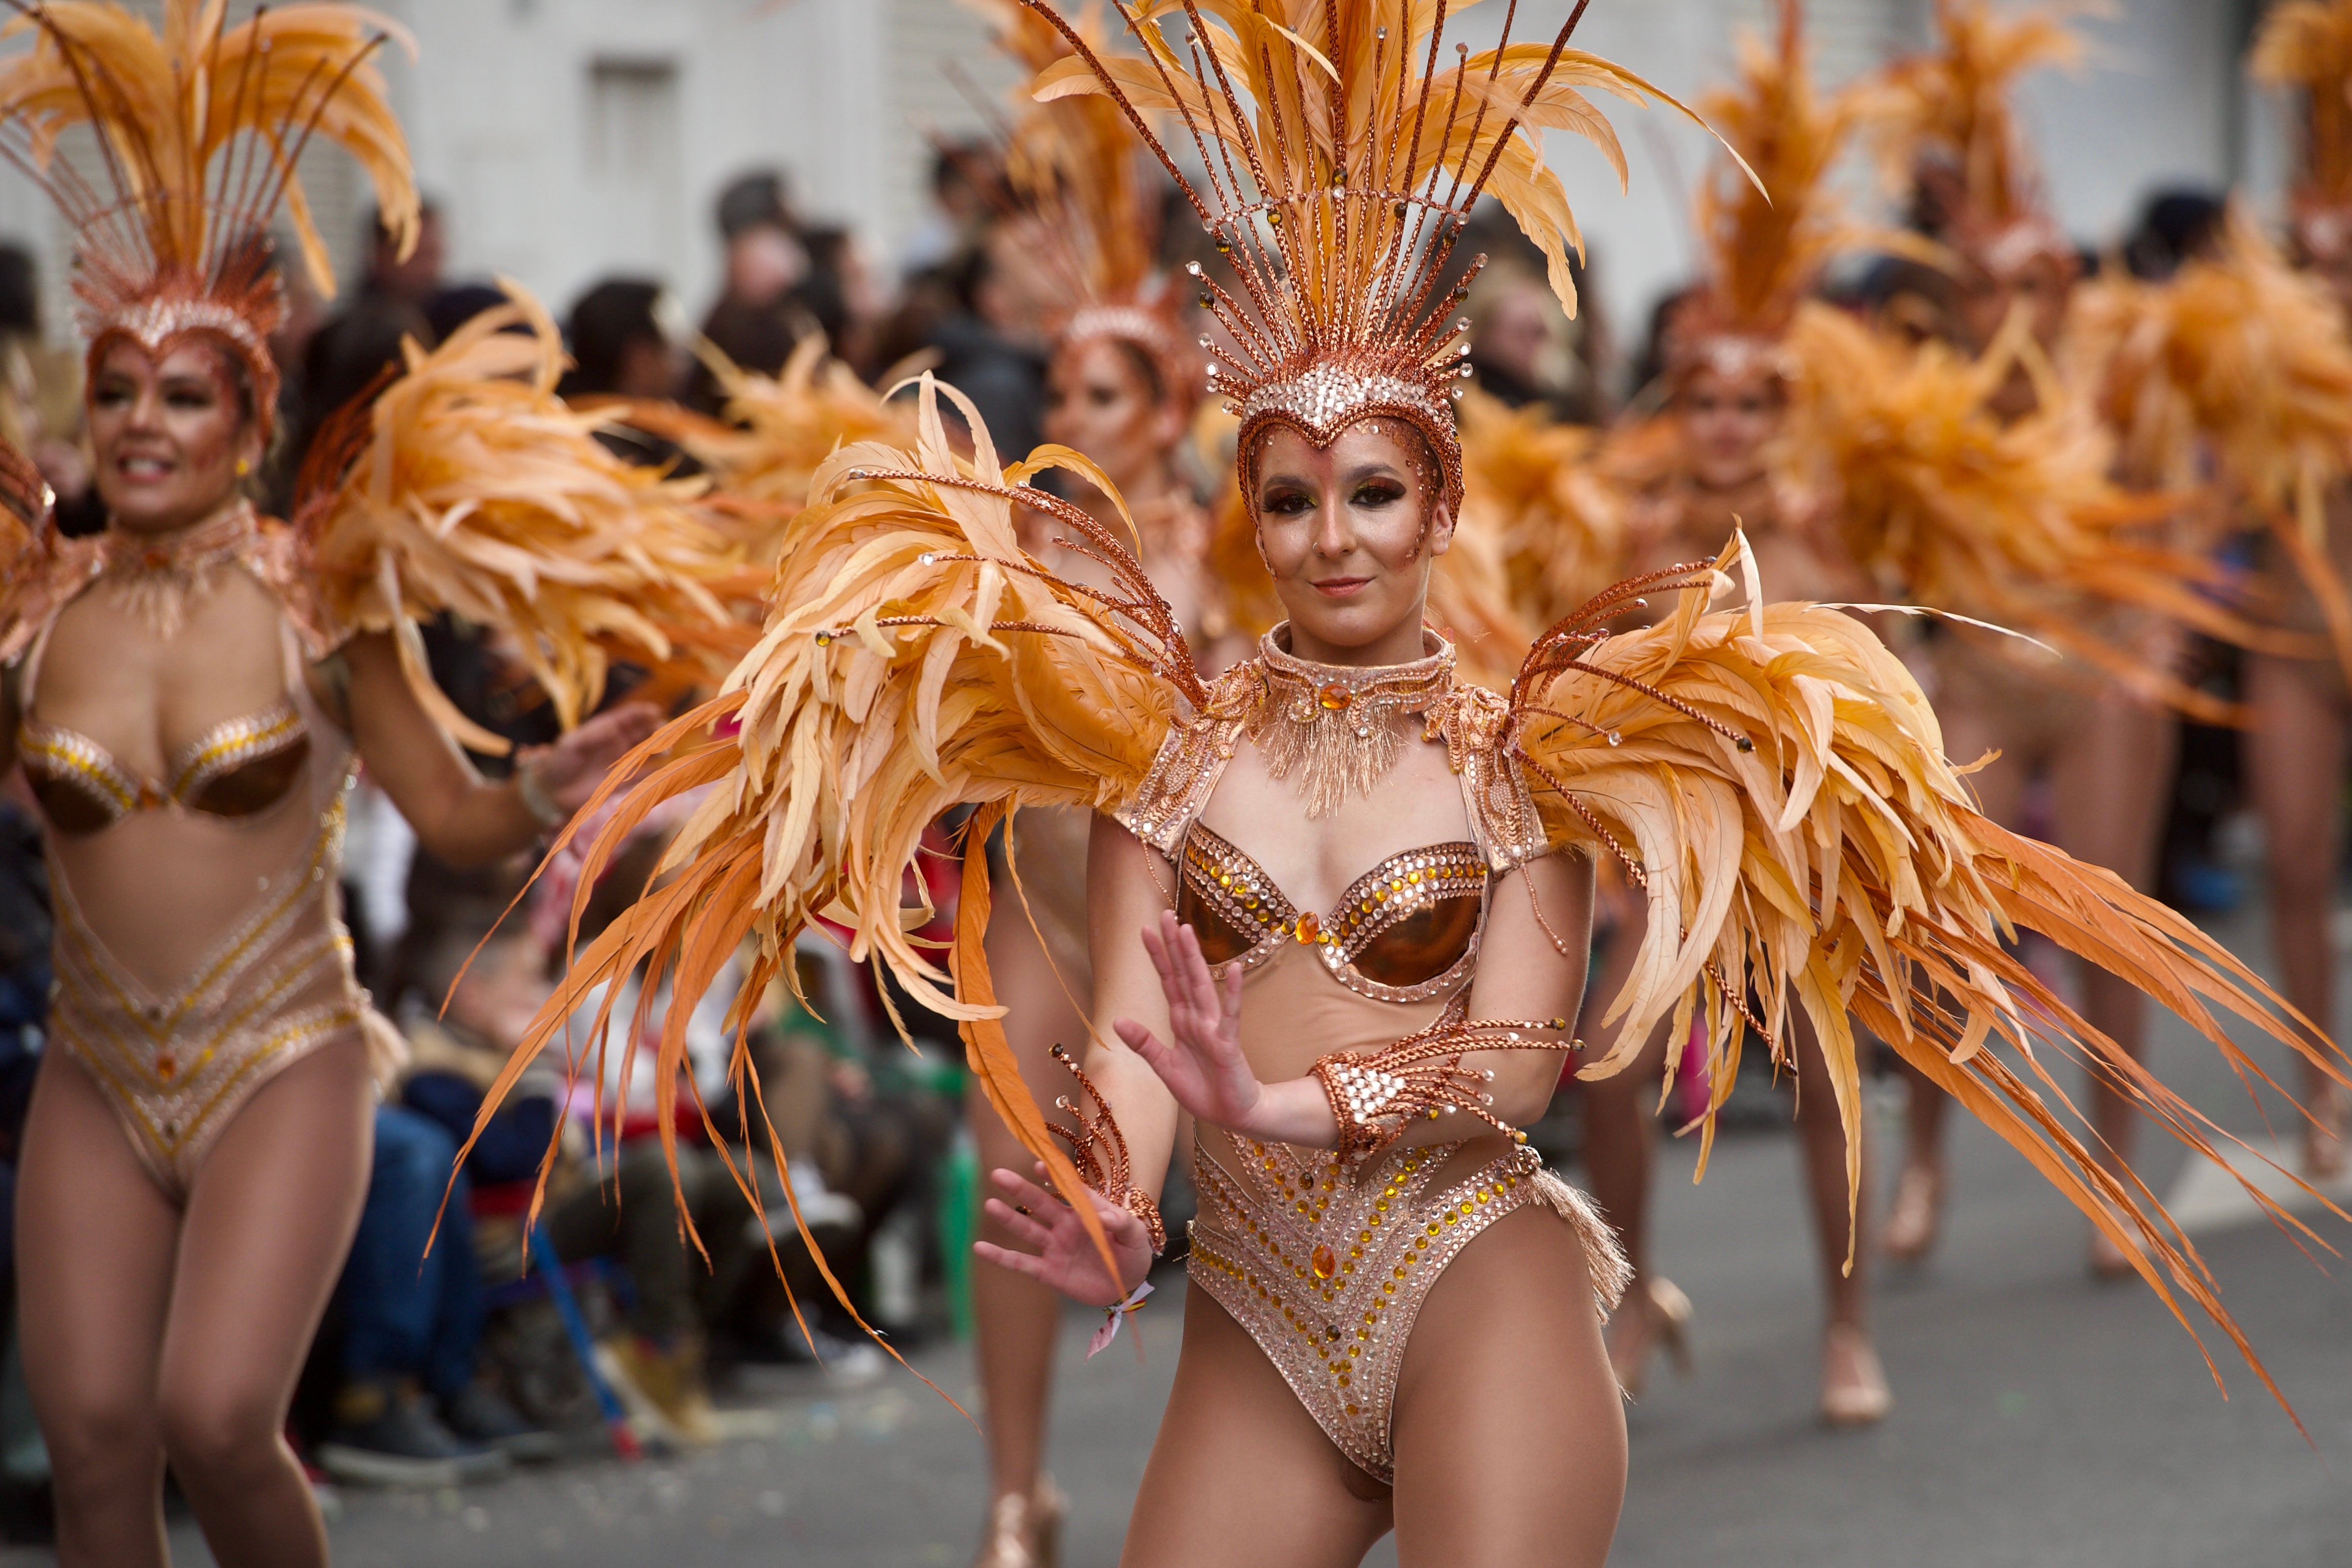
(1510, 1431)
(2111, 782)
(269, 1221)
(95, 1238)
(2294, 761)
(1241, 1476)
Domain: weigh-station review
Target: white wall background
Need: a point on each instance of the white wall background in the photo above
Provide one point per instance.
(570, 139)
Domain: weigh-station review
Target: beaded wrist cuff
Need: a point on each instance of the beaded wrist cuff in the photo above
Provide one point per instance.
(1375, 1098)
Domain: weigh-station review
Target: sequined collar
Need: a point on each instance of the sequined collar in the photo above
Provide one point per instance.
(1342, 727)
(229, 534)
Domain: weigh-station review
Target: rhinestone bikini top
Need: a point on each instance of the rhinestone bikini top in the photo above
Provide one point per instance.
(1405, 930)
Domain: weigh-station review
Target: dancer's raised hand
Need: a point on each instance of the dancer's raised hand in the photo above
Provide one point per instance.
(1203, 1067)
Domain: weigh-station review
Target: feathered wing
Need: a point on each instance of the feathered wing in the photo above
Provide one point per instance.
(2245, 356)
(916, 661)
(2013, 521)
(1555, 509)
(1774, 780)
(468, 485)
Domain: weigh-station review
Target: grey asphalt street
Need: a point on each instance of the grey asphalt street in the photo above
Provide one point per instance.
(2043, 1421)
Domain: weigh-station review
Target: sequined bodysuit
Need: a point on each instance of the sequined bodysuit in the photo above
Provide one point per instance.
(178, 1055)
(1325, 1270)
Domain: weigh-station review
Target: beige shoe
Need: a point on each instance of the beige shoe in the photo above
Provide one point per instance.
(672, 1380)
(1654, 1315)
(2323, 1139)
(1022, 1532)
(1917, 1215)
(1853, 1384)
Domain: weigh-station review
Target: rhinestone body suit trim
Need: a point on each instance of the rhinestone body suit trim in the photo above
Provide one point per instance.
(1328, 1273)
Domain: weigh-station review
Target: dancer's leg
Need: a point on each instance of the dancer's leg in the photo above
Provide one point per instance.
(1509, 1430)
(1240, 1474)
(2112, 779)
(1620, 1153)
(95, 1238)
(267, 1223)
(1972, 727)
(1853, 1386)
(1018, 1319)
(2295, 764)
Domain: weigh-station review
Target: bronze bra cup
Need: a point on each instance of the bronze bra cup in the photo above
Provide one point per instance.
(255, 786)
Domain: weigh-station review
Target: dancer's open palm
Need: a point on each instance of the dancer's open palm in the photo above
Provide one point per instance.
(1063, 1253)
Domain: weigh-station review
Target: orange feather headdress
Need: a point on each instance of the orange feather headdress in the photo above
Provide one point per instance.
(1076, 164)
(199, 130)
(2306, 45)
(1339, 161)
(1943, 124)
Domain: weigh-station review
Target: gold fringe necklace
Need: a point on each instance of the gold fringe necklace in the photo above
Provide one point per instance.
(1341, 728)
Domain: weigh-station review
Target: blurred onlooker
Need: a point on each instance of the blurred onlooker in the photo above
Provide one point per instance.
(40, 396)
(2175, 227)
(415, 1407)
(620, 344)
(967, 184)
(757, 317)
(416, 277)
(992, 347)
(346, 357)
(1523, 346)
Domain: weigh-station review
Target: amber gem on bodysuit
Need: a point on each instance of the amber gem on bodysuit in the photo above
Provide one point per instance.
(1309, 927)
(1326, 1261)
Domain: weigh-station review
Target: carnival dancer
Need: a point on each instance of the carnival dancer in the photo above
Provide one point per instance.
(1718, 459)
(1390, 1327)
(1944, 123)
(188, 693)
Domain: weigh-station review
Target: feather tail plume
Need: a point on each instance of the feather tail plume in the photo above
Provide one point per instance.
(2244, 355)
(913, 660)
(468, 485)
(2016, 522)
(779, 431)
(1774, 782)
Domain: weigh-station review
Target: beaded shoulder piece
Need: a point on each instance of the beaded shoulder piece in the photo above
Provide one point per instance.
(1475, 723)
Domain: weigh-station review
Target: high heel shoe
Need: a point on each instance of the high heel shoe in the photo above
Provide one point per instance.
(1853, 1383)
(1656, 1315)
(1917, 1215)
(2323, 1139)
(1025, 1531)
(1049, 1507)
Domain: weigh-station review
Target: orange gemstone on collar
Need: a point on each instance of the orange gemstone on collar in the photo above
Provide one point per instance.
(1336, 697)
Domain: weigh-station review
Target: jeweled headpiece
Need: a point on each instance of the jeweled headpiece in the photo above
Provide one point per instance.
(1340, 152)
(199, 130)
(1074, 161)
(1943, 121)
(2307, 44)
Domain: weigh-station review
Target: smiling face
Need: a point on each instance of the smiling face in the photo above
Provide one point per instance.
(1727, 418)
(168, 433)
(1349, 532)
(1099, 402)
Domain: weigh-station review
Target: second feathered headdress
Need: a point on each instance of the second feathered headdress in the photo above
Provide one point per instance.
(199, 129)
(2306, 45)
(1341, 149)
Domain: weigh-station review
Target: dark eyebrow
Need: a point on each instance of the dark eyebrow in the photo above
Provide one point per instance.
(1362, 471)
(1267, 481)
